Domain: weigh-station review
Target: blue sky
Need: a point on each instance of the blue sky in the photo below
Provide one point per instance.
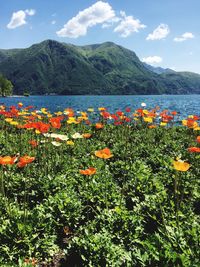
(161, 33)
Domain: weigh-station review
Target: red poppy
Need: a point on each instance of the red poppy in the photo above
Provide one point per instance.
(127, 119)
(115, 117)
(42, 127)
(196, 118)
(119, 113)
(28, 107)
(105, 114)
(117, 122)
(23, 161)
(128, 110)
(194, 149)
(166, 118)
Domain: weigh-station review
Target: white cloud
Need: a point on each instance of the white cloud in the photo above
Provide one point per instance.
(110, 22)
(19, 18)
(53, 22)
(106, 25)
(30, 12)
(128, 25)
(152, 60)
(159, 33)
(98, 13)
(185, 36)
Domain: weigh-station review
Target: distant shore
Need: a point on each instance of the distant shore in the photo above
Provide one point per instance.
(15, 96)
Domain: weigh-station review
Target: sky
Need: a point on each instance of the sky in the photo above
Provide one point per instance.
(163, 33)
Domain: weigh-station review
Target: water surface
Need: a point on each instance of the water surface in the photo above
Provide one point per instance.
(185, 104)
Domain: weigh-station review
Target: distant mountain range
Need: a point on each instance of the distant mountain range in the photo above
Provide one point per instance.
(53, 67)
(158, 70)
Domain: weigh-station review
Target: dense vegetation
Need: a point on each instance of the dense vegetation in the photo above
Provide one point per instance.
(99, 189)
(53, 67)
(5, 86)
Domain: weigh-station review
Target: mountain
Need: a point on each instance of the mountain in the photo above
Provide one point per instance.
(158, 70)
(51, 67)
(107, 68)
(181, 82)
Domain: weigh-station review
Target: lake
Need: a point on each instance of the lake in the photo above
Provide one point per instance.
(185, 104)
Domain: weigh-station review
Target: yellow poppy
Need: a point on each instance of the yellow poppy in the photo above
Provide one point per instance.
(181, 165)
(147, 119)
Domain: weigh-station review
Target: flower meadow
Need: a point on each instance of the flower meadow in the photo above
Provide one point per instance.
(94, 188)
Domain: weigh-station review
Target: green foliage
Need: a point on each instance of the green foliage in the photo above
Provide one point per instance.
(107, 68)
(5, 86)
(124, 215)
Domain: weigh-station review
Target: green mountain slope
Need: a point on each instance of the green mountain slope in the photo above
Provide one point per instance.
(53, 67)
(123, 68)
(181, 82)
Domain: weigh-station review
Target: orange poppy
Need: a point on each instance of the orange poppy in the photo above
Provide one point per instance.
(87, 122)
(198, 139)
(20, 104)
(87, 135)
(43, 127)
(23, 161)
(152, 126)
(181, 165)
(7, 160)
(194, 149)
(33, 143)
(191, 123)
(174, 113)
(32, 261)
(140, 111)
(152, 114)
(99, 125)
(69, 112)
(55, 122)
(104, 153)
(101, 109)
(89, 171)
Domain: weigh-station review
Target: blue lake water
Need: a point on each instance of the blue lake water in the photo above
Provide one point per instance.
(185, 104)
